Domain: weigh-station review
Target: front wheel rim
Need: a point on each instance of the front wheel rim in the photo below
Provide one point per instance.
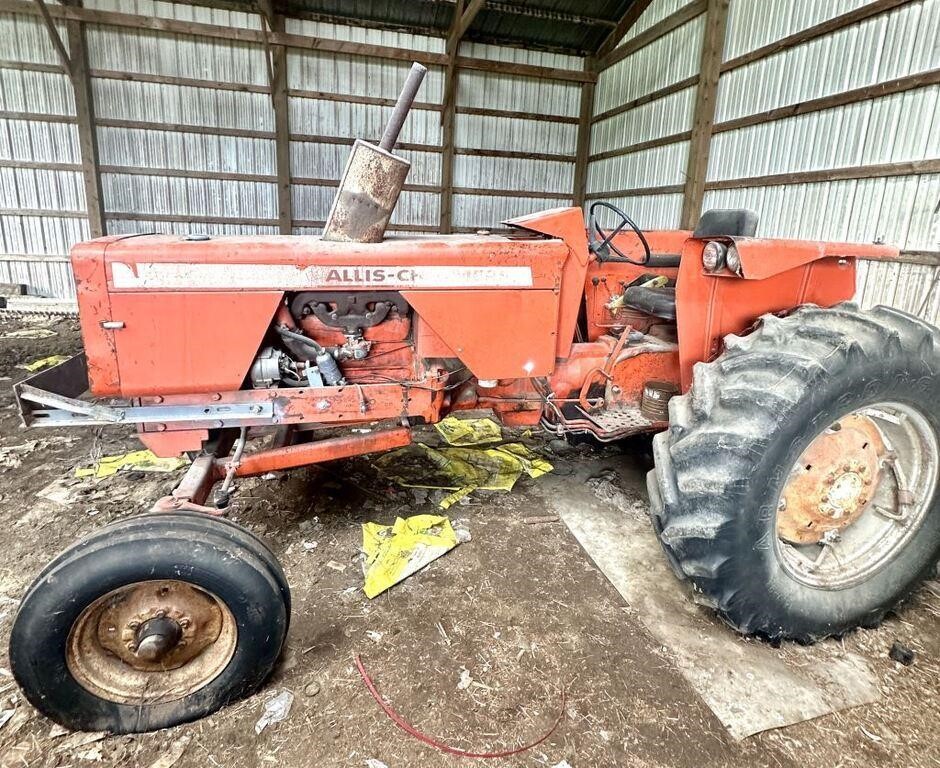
(857, 496)
(151, 642)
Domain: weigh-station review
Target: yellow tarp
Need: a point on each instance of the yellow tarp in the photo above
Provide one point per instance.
(45, 362)
(469, 431)
(394, 552)
(143, 461)
(463, 470)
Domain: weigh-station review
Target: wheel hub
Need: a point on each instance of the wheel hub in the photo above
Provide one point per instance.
(832, 481)
(857, 495)
(158, 639)
(163, 624)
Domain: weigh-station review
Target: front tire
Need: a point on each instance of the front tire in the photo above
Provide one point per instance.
(731, 460)
(150, 623)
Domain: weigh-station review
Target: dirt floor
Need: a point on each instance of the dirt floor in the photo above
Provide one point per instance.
(520, 609)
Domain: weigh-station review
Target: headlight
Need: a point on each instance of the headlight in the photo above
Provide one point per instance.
(713, 257)
(733, 260)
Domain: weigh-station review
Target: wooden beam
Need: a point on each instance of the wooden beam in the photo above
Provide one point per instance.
(854, 96)
(266, 12)
(87, 133)
(822, 29)
(279, 100)
(681, 17)
(660, 93)
(187, 173)
(247, 133)
(485, 192)
(190, 219)
(899, 85)
(36, 117)
(525, 70)
(54, 36)
(462, 23)
(41, 165)
(345, 98)
(305, 181)
(549, 157)
(880, 171)
(302, 42)
(206, 130)
(632, 15)
(319, 224)
(586, 112)
(852, 173)
(665, 189)
(713, 45)
(348, 141)
(47, 213)
(542, 117)
(187, 82)
(354, 98)
(641, 146)
(32, 66)
(924, 258)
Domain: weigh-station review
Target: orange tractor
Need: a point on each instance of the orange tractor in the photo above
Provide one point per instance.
(796, 460)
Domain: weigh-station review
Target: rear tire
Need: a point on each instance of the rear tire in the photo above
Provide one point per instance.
(205, 588)
(723, 464)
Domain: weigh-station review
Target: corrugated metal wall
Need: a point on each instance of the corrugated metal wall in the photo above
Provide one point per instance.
(196, 154)
(186, 134)
(42, 211)
(319, 81)
(671, 59)
(551, 128)
(902, 127)
(894, 128)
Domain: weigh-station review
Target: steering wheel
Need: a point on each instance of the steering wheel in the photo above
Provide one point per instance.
(602, 248)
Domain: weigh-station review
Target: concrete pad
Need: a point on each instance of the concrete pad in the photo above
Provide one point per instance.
(749, 685)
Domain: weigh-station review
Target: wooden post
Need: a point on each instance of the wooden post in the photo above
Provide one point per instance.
(448, 118)
(275, 56)
(87, 136)
(713, 44)
(279, 99)
(458, 28)
(584, 135)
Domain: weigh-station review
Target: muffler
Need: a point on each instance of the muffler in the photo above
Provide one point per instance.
(374, 177)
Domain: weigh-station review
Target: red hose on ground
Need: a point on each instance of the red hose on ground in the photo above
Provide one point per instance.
(410, 729)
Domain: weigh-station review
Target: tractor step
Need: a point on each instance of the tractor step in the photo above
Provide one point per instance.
(622, 419)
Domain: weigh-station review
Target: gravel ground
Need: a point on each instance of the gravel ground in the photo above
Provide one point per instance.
(519, 611)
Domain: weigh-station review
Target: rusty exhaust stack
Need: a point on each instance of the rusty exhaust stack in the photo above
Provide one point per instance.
(373, 178)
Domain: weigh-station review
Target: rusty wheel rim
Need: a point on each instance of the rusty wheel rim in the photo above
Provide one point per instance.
(857, 495)
(151, 642)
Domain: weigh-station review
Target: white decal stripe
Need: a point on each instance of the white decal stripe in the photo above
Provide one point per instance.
(288, 277)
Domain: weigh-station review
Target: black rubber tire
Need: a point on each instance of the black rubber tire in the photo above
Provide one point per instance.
(193, 521)
(721, 465)
(199, 550)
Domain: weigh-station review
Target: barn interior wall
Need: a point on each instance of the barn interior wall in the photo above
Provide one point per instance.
(833, 135)
(187, 136)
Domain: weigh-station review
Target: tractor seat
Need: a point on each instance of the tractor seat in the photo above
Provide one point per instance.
(658, 302)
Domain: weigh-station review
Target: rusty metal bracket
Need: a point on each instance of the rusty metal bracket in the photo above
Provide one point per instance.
(58, 389)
